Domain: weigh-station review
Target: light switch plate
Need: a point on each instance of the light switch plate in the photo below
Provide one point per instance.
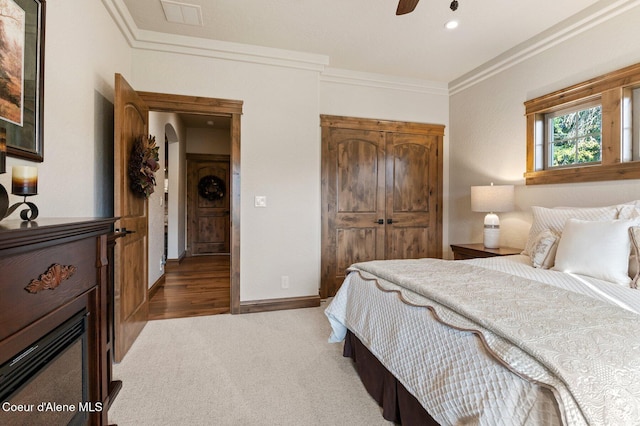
(260, 201)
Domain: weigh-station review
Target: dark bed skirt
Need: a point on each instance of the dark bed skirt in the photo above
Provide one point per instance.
(398, 405)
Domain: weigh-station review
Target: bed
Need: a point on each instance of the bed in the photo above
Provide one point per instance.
(548, 337)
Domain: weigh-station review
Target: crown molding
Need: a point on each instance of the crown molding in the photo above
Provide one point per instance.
(577, 24)
(160, 42)
(155, 41)
(121, 16)
(381, 81)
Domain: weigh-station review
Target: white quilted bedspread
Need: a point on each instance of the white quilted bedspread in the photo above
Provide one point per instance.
(462, 379)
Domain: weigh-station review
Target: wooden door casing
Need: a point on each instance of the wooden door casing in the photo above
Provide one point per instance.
(208, 224)
(381, 193)
(131, 252)
(172, 103)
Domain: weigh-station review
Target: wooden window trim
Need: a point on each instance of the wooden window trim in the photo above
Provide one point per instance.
(610, 89)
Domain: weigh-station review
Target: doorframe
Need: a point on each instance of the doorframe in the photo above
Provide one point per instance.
(169, 103)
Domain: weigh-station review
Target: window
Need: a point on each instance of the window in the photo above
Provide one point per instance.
(574, 137)
(586, 132)
(631, 124)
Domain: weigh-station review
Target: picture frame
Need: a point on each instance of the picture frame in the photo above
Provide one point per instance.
(22, 36)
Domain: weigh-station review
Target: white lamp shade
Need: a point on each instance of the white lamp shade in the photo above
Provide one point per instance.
(494, 198)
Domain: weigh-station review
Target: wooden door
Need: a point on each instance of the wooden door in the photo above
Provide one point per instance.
(353, 193)
(208, 223)
(412, 192)
(381, 193)
(130, 256)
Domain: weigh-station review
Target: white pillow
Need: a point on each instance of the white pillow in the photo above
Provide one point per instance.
(599, 249)
(555, 219)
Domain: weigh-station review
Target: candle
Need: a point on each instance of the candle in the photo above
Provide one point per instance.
(24, 180)
(3, 150)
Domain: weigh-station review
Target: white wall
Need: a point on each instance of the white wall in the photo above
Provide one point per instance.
(177, 202)
(488, 129)
(208, 141)
(76, 177)
(156, 204)
(280, 158)
(158, 122)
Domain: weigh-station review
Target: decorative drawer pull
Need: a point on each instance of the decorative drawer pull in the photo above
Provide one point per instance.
(52, 278)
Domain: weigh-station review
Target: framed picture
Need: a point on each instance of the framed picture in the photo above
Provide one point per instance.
(22, 76)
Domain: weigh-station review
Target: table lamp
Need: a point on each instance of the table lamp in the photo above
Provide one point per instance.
(492, 199)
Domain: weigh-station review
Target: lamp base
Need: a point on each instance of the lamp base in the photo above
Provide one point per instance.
(491, 236)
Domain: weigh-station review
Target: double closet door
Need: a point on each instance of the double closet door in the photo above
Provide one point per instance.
(381, 193)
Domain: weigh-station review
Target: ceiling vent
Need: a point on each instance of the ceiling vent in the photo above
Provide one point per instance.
(182, 13)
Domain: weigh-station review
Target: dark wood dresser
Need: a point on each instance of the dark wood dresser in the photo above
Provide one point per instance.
(54, 343)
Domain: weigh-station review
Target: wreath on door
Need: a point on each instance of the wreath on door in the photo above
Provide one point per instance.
(211, 187)
(143, 163)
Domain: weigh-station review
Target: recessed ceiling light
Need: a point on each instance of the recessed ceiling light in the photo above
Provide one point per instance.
(451, 25)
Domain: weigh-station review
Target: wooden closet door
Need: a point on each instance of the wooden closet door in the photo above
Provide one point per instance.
(353, 194)
(412, 191)
(381, 193)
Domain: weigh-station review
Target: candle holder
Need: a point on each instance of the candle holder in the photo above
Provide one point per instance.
(24, 183)
(29, 214)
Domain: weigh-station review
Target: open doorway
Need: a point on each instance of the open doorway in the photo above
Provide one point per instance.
(196, 280)
(208, 153)
(225, 114)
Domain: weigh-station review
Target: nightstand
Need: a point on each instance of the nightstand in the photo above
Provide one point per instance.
(471, 251)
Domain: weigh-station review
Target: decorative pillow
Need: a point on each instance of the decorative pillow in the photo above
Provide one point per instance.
(634, 260)
(631, 210)
(599, 249)
(543, 254)
(555, 219)
(634, 264)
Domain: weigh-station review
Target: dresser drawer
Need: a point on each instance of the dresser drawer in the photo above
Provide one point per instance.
(20, 307)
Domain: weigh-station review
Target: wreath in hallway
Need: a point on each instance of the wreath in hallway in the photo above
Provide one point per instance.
(143, 163)
(211, 187)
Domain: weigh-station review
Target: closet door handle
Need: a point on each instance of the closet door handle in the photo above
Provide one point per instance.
(379, 221)
(389, 221)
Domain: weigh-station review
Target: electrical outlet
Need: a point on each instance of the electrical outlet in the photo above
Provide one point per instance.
(285, 281)
(161, 266)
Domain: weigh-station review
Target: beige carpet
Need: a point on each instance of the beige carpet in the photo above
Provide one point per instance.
(272, 368)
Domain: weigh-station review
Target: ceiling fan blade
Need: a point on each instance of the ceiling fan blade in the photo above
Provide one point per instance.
(406, 6)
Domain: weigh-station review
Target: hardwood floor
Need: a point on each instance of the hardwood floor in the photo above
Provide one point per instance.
(199, 285)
